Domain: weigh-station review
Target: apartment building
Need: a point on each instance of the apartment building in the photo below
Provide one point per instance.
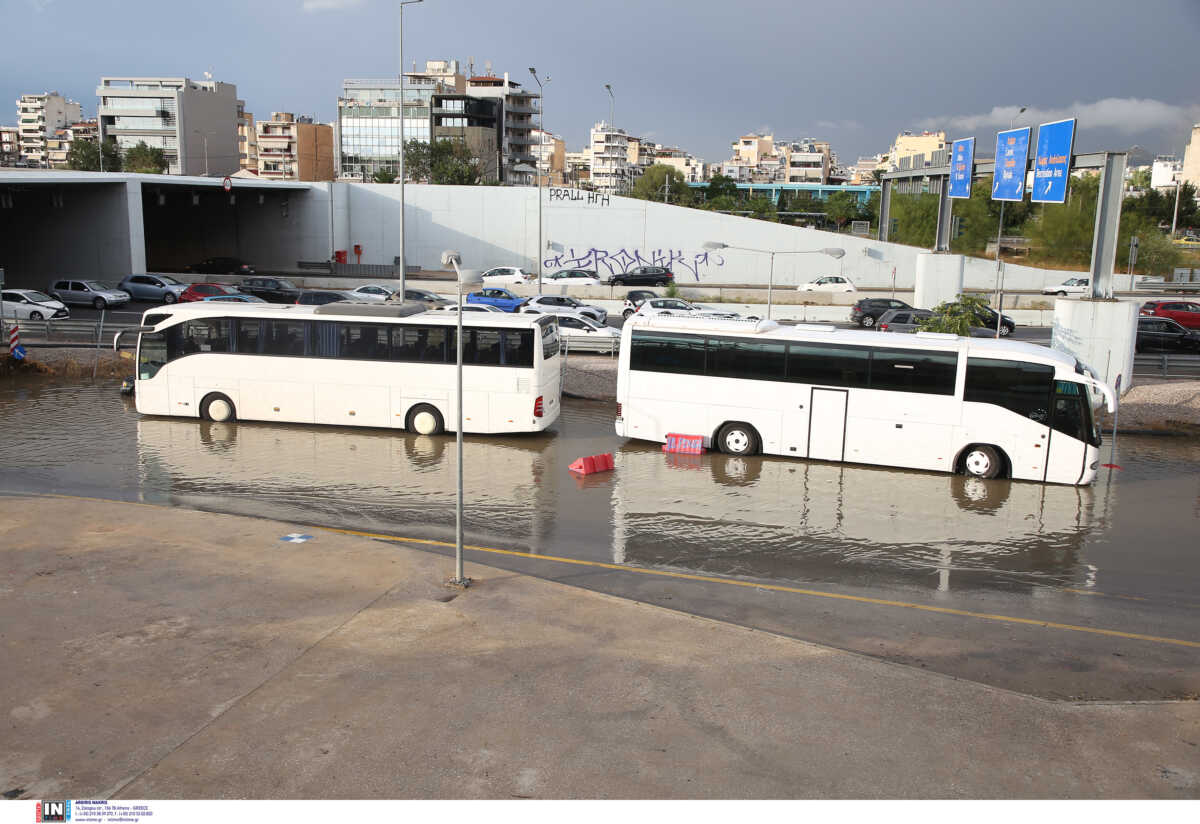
(476, 122)
(247, 136)
(10, 145)
(693, 169)
(1190, 170)
(577, 167)
(551, 155)
(611, 172)
(806, 161)
(1164, 171)
(194, 122)
(520, 107)
(916, 149)
(39, 116)
(370, 119)
(294, 148)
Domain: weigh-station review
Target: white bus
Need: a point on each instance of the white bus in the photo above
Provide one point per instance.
(351, 364)
(985, 407)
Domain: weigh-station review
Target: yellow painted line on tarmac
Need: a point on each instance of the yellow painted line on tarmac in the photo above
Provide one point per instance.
(862, 599)
(687, 576)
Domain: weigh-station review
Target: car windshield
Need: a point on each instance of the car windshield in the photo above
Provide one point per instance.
(285, 284)
(38, 297)
(167, 279)
(423, 294)
(98, 285)
(588, 322)
(571, 302)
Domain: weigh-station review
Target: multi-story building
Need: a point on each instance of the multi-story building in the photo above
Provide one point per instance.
(806, 161)
(476, 122)
(693, 169)
(1190, 172)
(578, 167)
(247, 136)
(1164, 172)
(611, 172)
(370, 119)
(519, 109)
(39, 116)
(58, 148)
(917, 147)
(862, 173)
(550, 152)
(294, 148)
(10, 145)
(194, 122)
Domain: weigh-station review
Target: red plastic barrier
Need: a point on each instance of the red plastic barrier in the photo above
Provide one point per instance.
(592, 463)
(684, 444)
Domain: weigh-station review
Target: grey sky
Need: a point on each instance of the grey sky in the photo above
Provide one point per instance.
(696, 74)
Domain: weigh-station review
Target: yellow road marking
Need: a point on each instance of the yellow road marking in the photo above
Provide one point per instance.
(687, 576)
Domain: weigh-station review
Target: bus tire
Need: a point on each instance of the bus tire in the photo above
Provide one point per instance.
(981, 460)
(424, 419)
(217, 407)
(737, 438)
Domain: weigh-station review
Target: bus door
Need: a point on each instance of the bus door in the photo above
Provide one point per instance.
(1069, 433)
(827, 424)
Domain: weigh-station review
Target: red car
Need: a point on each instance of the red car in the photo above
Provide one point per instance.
(1184, 312)
(200, 291)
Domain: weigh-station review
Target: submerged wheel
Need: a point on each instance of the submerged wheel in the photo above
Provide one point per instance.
(868, 321)
(737, 439)
(982, 461)
(217, 407)
(425, 420)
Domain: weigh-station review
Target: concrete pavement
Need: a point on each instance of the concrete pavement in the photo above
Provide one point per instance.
(153, 652)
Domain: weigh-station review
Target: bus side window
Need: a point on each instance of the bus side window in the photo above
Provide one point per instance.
(1023, 388)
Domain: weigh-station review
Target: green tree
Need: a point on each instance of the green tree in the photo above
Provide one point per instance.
(84, 156)
(144, 159)
(1156, 254)
(723, 203)
(840, 207)
(719, 186)
(915, 219)
(452, 163)
(417, 163)
(975, 219)
(384, 175)
(1062, 233)
(762, 208)
(660, 177)
(1140, 179)
(955, 317)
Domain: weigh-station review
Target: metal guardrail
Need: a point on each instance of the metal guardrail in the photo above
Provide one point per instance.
(598, 346)
(1168, 287)
(81, 332)
(1171, 367)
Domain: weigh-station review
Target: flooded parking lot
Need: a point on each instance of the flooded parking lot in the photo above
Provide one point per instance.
(915, 567)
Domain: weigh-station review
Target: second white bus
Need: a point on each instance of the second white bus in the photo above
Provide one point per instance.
(980, 406)
(348, 364)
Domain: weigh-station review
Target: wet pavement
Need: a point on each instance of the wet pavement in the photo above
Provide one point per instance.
(1056, 591)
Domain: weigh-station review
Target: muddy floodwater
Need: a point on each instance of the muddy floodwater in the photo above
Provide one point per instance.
(1132, 539)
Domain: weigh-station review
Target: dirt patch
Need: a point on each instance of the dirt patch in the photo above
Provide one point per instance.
(1172, 406)
(68, 363)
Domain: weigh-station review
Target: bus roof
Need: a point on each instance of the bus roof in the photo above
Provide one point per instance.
(394, 312)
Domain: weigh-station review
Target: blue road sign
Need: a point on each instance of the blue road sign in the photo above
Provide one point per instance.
(18, 352)
(1012, 156)
(962, 160)
(1052, 164)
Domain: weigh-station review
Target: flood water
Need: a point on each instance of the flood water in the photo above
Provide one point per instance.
(1134, 534)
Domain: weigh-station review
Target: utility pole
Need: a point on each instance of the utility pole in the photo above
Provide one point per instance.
(403, 238)
(538, 164)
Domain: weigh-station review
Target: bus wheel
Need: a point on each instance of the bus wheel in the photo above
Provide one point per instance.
(737, 439)
(982, 461)
(217, 407)
(425, 420)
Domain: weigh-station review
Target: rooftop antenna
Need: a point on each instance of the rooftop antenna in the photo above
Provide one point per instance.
(208, 74)
(471, 66)
(487, 67)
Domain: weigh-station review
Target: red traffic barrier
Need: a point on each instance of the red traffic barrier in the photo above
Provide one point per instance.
(592, 463)
(684, 444)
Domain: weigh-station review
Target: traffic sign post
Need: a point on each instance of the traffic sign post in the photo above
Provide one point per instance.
(1052, 164)
(962, 161)
(1012, 156)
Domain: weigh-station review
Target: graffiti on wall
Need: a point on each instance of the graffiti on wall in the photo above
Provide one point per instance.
(614, 262)
(595, 198)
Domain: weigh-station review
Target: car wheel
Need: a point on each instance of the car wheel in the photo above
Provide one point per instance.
(218, 407)
(867, 321)
(982, 461)
(424, 419)
(169, 298)
(35, 315)
(627, 314)
(99, 304)
(737, 439)
(660, 283)
(1061, 293)
(1004, 331)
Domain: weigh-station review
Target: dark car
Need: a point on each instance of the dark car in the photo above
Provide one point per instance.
(1165, 335)
(272, 290)
(987, 319)
(221, 266)
(1184, 312)
(905, 319)
(867, 311)
(320, 297)
(643, 276)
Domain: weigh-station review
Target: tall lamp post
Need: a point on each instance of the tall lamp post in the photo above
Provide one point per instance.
(403, 262)
(836, 253)
(466, 277)
(541, 149)
(1000, 233)
(612, 105)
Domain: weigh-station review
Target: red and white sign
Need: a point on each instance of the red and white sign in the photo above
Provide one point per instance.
(227, 183)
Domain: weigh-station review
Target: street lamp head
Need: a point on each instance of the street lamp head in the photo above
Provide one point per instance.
(713, 245)
(533, 71)
(835, 253)
(451, 258)
(609, 87)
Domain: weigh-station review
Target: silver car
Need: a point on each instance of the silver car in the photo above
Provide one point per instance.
(557, 304)
(98, 294)
(153, 287)
(908, 320)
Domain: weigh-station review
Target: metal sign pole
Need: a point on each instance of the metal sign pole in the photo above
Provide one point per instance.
(460, 578)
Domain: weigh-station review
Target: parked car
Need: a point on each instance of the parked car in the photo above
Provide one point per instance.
(573, 277)
(272, 290)
(500, 298)
(1188, 242)
(829, 283)
(220, 266)
(1165, 335)
(30, 304)
(643, 276)
(200, 291)
(901, 320)
(577, 327)
(557, 304)
(1070, 286)
(320, 297)
(507, 274)
(374, 291)
(471, 307)
(153, 287)
(96, 293)
(634, 299)
(986, 318)
(1184, 312)
(234, 299)
(868, 310)
(675, 306)
(431, 300)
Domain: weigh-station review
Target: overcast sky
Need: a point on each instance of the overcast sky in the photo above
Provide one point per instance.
(693, 73)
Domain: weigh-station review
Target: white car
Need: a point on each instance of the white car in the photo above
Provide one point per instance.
(472, 307)
(374, 292)
(1070, 286)
(29, 304)
(513, 275)
(582, 330)
(829, 283)
(558, 304)
(681, 308)
(572, 277)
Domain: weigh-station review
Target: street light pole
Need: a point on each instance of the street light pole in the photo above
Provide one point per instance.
(403, 262)
(538, 164)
